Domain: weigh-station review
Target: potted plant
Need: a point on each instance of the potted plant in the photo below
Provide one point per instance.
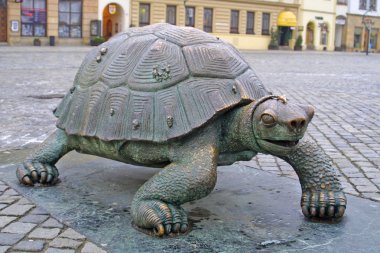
(37, 42)
(96, 41)
(273, 44)
(298, 45)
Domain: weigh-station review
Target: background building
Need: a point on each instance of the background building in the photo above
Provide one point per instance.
(356, 35)
(66, 22)
(246, 23)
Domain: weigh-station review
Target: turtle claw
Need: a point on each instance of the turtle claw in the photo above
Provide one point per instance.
(163, 218)
(323, 203)
(30, 173)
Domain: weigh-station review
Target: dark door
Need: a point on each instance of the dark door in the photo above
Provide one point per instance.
(3, 20)
(285, 35)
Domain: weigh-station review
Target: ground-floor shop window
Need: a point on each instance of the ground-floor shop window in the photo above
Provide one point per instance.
(265, 24)
(207, 20)
(324, 34)
(33, 18)
(144, 14)
(250, 22)
(357, 37)
(373, 38)
(70, 18)
(234, 28)
(171, 14)
(190, 16)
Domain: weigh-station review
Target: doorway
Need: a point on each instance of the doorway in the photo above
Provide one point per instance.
(3, 21)
(285, 35)
(310, 36)
(113, 17)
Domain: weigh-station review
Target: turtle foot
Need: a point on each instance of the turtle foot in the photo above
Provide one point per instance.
(163, 218)
(31, 172)
(323, 203)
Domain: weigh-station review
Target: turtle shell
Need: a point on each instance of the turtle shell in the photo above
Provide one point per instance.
(156, 83)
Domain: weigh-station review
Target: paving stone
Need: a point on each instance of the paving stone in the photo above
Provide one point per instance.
(16, 209)
(71, 234)
(65, 243)
(18, 228)
(33, 246)
(11, 192)
(89, 247)
(9, 239)
(52, 223)
(2, 206)
(44, 233)
(9, 200)
(39, 210)
(367, 188)
(5, 220)
(33, 218)
(24, 201)
(3, 187)
(4, 249)
(55, 250)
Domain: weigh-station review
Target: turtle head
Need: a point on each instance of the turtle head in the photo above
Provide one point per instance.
(278, 125)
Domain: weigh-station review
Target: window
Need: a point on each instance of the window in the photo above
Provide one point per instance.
(265, 24)
(144, 14)
(171, 14)
(373, 38)
(70, 18)
(250, 22)
(357, 37)
(190, 16)
(207, 20)
(324, 34)
(372, 4)
(33, 18)
(344, 2)
(367, 4)
(234, 28)
(362, 4)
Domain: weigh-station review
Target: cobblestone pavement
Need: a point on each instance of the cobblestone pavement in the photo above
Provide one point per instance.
(343, 87)
(25, 227)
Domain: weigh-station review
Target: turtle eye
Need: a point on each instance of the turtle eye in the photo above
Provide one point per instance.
(268, 120)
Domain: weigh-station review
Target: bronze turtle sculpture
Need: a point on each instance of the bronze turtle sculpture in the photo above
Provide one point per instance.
(183, 100)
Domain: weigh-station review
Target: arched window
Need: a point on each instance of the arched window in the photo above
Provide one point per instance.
(33, 18)
(70, 18)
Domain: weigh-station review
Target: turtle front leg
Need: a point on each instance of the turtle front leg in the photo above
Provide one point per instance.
(157, 204)
(322, 194)
(39, 167)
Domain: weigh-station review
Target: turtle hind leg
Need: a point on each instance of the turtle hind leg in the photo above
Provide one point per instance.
(157, 204)
(39, 167)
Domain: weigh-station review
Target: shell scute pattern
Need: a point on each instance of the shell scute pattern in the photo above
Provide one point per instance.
(118, 98)
(214, 60)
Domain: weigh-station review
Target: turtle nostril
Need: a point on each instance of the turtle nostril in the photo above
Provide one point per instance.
(302, 123)
(297, 124)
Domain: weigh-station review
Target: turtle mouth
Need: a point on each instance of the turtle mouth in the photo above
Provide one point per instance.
(283, 143)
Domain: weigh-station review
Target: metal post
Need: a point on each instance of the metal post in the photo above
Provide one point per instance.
(368, 32)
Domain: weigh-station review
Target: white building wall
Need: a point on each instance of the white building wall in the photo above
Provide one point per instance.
(125, 4)
(353, 8)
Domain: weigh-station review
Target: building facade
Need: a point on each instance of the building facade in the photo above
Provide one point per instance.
(362, 28)
(246, 24)
(62, 22)
(317, 19)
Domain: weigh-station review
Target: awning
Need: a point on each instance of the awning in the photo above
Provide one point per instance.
(287, 18)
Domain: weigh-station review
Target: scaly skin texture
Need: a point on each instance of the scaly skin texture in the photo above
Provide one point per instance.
(39, 167)
(322, 194)
(270, 126)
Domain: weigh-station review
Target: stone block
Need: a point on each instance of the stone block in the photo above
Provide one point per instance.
(65, 243)
(52, 223)
(16, 209)
(45, 233)
(32, 218)
(9, 239)
(33, 246)
(71, 234)
(18, 228)
(89, 247)
(5, 220)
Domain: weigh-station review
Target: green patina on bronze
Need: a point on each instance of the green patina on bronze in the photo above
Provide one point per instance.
(206, 108)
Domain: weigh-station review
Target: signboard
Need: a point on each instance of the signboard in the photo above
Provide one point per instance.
(14, 26)
(112, 9)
